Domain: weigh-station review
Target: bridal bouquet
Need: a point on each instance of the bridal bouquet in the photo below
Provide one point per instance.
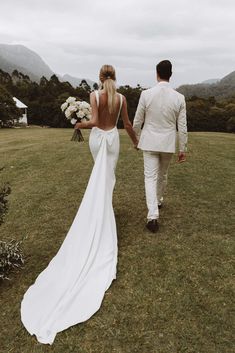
(76, 111)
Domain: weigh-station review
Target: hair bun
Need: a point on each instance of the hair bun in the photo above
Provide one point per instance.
(107, 72)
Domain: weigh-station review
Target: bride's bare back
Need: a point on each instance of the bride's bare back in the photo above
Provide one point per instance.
(102, 118)
(105, 119)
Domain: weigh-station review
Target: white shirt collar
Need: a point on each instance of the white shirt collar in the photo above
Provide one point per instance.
(165, 83)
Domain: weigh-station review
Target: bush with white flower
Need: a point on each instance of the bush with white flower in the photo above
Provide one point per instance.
(76, 111)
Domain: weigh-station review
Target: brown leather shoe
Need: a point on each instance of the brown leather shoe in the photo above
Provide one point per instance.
(152, 225)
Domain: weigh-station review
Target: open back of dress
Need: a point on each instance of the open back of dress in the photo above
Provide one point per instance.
(71, 288)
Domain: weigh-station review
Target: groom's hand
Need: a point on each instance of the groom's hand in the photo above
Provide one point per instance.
(181, 157)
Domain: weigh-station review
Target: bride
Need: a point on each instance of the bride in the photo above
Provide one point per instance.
(71, 288)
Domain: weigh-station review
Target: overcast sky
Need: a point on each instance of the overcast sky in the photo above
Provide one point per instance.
(78, 36)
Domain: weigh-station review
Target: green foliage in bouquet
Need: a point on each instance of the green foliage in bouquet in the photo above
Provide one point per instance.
(77, 136)
(11, 256)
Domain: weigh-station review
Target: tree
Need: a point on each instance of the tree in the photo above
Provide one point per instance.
(85, 86)
(8, 110)
(231, 124)
(95, 86)
(132, 96)
(44, 101)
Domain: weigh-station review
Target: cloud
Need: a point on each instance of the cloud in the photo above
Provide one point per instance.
(77, 37)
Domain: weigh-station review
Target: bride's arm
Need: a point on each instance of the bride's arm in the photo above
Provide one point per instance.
(127, 124)
(94, 111)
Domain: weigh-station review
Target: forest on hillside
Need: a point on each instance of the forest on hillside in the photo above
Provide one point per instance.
(220, 89)
(45, 98)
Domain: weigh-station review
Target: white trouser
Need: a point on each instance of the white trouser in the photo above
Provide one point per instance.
(155, 171)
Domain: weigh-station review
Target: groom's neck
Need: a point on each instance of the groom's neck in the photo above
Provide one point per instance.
(161, 80)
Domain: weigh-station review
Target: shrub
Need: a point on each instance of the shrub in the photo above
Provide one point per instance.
(4, 192)
(11, 256)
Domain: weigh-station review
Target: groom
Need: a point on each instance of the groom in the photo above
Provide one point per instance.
(160, 113)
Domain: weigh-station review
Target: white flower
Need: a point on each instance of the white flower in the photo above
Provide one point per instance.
(85, 111)
(73, 108)
(77, 103)
(70, 110)
(80, 114)
(64, 106)
(67, 113)
(73, 121)
(81, 109)
(84, 105)
(70, 100)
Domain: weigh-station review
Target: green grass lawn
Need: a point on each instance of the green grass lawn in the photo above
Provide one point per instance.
(174, 290)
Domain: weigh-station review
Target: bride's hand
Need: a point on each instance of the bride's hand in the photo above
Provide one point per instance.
(136, 146)
(77, 126)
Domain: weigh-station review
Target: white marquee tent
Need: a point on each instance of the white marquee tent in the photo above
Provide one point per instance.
(23, 119)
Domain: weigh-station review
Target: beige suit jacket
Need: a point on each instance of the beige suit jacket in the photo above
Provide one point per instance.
(160, 113)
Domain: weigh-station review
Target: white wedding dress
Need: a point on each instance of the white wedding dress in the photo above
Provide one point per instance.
(71, 288)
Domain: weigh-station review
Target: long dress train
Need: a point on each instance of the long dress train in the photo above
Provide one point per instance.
(71, 288)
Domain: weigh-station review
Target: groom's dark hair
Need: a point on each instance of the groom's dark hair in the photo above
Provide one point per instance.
(164, 69)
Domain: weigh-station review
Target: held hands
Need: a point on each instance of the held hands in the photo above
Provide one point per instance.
(135, 145)
(181, 157)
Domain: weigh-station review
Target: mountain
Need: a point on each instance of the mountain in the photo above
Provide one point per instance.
(75, 81)
(211, 81)
(228, 79)
(8, 67)
(224, 88)
(18, 57)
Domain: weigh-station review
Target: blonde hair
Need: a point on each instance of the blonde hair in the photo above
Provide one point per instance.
(107, 79)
